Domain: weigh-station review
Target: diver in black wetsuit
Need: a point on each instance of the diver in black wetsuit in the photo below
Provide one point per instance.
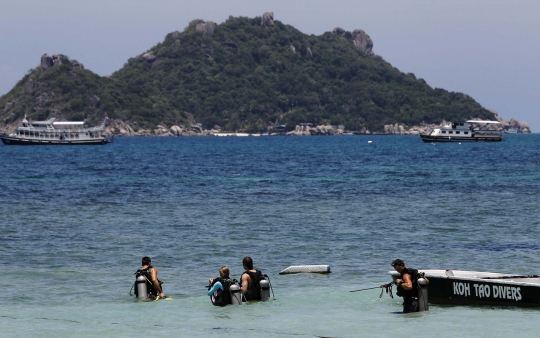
(407, 285)
(250, 280)
(153, 283)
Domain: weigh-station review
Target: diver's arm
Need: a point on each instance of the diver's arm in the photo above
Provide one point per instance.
(155, 281)
(407, 282)
(217, 286)
(245, 283)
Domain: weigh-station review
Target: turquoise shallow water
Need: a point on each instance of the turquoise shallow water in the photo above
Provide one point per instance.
(75, 222)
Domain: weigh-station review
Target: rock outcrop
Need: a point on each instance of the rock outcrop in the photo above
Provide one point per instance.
(267, 19)
(206, 28)
(513, 123)
(363, 42)
(338, 31)
(77, 65)
(318, 130)
(309, 54)
(176, 130)
(117, 127)
(57, 60)
(150, 60)
(46, 62)
(195, 22)
(394, 129)
(149, 57)
(522, 127)
(292, 48)
(95, 101)
(207, 49)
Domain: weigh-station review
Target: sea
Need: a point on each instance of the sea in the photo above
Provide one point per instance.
(76, 221)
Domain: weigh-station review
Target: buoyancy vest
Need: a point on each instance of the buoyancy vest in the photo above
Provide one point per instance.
(222, 297)
(149, 285)
(254, 289)
(401, 292)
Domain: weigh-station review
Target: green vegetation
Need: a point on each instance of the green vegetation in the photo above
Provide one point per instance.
(253, 81)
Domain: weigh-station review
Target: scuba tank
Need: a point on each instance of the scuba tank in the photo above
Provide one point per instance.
(265, 289)
(142, 290)
(236, 294)
(422, 294)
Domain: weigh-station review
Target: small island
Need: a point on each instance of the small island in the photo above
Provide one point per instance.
(245, 76)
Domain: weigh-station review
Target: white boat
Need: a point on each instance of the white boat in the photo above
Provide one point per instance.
(463, 132)
(51, 132)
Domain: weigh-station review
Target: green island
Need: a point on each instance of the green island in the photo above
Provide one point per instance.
(249, 75)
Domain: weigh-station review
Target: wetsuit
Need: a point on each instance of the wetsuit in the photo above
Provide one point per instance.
(410, 297)
(254, 289)
(220, 294)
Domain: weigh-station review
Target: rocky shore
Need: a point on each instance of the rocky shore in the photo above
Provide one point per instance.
(121, 128)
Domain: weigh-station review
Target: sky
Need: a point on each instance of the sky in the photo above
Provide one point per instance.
(488, 49)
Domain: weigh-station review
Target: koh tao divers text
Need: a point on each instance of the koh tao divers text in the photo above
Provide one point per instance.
(488, 291)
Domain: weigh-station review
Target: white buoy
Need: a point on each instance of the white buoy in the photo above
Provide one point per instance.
(306, 269)
(369, 141)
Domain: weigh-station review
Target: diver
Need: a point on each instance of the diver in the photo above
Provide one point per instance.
(153, 284)
(219, 288)
(250, 281)
(407, 285)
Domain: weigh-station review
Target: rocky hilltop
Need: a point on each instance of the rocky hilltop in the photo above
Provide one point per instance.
(247, 75)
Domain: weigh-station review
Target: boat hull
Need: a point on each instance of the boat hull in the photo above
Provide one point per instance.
(459, 291)
(429, 138)
(10, 140)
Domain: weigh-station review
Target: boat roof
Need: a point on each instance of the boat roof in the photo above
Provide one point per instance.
(481, 121)
(67, 123)
(51, 121)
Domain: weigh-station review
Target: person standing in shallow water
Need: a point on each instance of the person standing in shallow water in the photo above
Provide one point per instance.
(151, 274)
(219, 288)
(407, 285)
(250, 280)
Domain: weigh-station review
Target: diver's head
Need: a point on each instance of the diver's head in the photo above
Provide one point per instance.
(146, 261)
(224, 272)
(398, 265)
(248, 263)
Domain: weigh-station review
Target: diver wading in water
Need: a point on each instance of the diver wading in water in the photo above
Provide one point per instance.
(251, 281)
(407, 287)
(223, 290)
(147, 285)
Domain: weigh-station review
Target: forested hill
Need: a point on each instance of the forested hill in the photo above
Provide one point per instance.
(244, 74)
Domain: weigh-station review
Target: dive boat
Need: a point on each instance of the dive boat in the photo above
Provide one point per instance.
(56, 133)
(481, 288)
(463, 132)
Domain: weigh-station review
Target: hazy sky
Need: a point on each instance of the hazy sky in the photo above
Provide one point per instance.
(489, 49)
